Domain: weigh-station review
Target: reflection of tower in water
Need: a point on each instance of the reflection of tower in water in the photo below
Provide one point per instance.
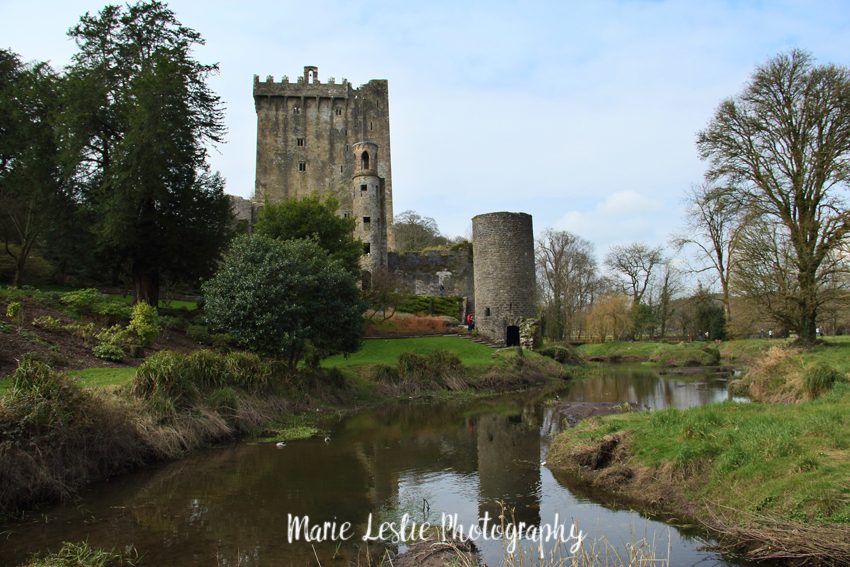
(509, 465)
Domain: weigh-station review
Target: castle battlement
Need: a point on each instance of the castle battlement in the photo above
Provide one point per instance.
(301, 88)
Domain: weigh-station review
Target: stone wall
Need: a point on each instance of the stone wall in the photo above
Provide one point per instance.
(422, 273)
(503, 253)
(305, 134)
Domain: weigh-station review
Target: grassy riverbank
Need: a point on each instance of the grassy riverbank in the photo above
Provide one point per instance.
(60, 433)
(771, 480)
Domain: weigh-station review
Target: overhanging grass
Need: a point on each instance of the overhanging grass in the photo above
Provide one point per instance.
(788, 460)
(387, 351)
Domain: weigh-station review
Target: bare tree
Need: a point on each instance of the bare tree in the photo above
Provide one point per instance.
(635, 263)
(784, 145)
(767, 273)
(715, 219)
(670, 286)
(413, 232)
(568, 276)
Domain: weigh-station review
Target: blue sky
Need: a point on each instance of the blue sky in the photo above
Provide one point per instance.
(583, 114)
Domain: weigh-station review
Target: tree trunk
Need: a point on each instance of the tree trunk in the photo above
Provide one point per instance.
(808, 309)
(145, 283)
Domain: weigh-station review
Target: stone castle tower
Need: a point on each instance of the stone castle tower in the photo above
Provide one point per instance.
(504, 280)
(317, 138)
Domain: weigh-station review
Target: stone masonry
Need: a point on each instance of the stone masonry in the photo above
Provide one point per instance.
(308, 136)
(503, 267)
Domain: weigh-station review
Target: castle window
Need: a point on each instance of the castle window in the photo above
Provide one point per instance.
(339, 112)
(367, 249)
(486, 311)
(340, 169)
(367, 220)
(296, 110)
(302, 166)
(300, 141)
(364, 187)
(364, 160)
(370, 125)
(346, 215)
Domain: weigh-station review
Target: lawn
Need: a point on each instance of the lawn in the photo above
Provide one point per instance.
(102, 377)
(387, 351)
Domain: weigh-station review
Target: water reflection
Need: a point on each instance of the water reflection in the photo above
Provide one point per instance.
(230, 506)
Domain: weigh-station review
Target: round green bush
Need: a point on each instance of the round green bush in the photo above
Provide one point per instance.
(282, 298)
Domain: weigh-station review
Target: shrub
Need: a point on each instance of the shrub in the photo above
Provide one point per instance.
(276, 298)
(48, 323)
(144, 323)
(109, 351)
(164, 376)
(821, 378)
(81, 299)
(41, 397)
(111, 343)
(383, 374)
(84, 330)
(247, 371)
(13, 311)
(172, 376)
(562, 354)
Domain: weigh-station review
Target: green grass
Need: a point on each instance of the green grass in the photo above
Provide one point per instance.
(619, 348)
(789, 460)
(387, 351)
(103, 377)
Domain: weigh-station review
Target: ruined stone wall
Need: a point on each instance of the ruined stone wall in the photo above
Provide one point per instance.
(305, 134)
(503, 261)
(422, 273)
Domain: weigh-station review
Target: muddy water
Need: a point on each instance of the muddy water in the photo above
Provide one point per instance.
(229, 506)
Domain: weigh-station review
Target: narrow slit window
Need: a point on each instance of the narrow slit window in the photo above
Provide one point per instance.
(300, 141)
(340, 169)
(339, 112)
(370, 125)
(302, 166)
(367, 249)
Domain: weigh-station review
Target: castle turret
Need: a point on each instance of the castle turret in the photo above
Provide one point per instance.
(368, 208)
(503, 263)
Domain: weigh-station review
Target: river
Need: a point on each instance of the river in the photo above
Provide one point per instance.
(230, 506)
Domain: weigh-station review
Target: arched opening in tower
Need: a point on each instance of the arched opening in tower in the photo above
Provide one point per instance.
(364, 160)
(512, 336)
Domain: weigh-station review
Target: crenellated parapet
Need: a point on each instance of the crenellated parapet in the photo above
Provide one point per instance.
(301, 88)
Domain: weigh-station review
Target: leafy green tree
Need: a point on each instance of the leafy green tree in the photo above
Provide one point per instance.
(709, 315)
(783, 148)
(315, 218)
(34, 193)
(285, 299)
(139, 118)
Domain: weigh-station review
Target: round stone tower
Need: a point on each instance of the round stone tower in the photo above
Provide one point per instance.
(503, 267)
(367, 208)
